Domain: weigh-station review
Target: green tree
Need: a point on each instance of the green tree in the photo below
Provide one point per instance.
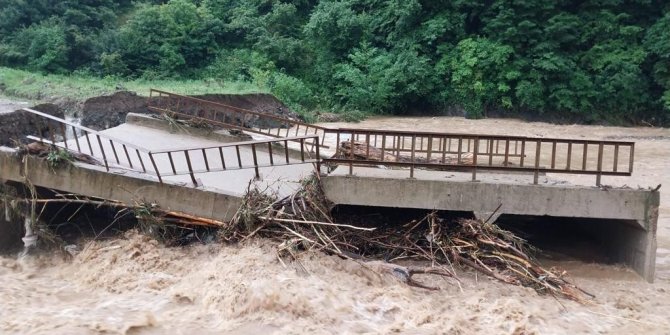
(168, 39)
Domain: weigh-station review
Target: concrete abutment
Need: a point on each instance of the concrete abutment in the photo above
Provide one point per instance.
(625, 218)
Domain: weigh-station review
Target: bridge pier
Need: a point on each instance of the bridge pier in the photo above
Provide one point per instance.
(10, 226)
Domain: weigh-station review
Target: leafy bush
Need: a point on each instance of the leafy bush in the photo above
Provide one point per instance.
(44, 46)
(293, 92)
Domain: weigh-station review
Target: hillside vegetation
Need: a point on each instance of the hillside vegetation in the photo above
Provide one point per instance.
(590, 61)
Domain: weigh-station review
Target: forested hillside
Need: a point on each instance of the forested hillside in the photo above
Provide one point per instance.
(593, 60)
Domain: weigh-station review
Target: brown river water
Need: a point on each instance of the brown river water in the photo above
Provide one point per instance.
(133, 285)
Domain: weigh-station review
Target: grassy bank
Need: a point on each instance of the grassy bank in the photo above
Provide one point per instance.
(38, 87)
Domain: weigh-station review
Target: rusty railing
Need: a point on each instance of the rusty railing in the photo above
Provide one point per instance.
(231, 156)
(115, 153)
(67, 135)
(230, 116)
(469, 152)
(366, 147)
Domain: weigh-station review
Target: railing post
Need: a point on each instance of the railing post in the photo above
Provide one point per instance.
(223, 160)
(567, 166)
(632, 155)
(102, 150)
(318, 156)
(174, 170)
(474, 159)
(553, 154)
(302, 150)
(253, 153)
(153, 162)
(351, 154)
(272, 159)
(444, 149)
(411, 167)
(116, 156)
(506, 163)
(600, 163)
(615, 168)
(144, 169)
(491, 150)
(190, 168)
(130, 162)
(460, 150)
(62, 130)
(76, 138)
(286, 151)
(538, 145)
(204, 156)
(429, 148)
(239, 157)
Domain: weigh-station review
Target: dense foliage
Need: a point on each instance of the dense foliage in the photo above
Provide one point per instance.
(592, 60)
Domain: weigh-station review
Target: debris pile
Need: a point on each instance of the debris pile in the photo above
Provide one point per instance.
(302, 221)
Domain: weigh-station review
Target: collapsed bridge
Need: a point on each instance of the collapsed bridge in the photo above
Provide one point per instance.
(489, 176)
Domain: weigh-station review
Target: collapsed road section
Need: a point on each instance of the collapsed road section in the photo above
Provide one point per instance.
(485, 175)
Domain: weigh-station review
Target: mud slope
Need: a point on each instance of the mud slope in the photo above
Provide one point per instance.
(110, 111)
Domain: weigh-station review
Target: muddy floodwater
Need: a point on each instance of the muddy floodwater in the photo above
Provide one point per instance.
(133, 285)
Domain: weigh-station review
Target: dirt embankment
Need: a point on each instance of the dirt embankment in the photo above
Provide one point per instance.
(16, 125)
(109, 111)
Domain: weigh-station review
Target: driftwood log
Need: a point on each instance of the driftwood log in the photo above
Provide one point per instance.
(364, 151)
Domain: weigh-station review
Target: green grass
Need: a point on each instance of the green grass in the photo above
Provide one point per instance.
(38, 87)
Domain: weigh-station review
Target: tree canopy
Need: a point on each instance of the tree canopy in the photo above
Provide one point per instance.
(587, 60)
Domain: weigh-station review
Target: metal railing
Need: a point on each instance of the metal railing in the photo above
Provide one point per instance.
(115, 153)
(67, 135)
(231, 156)
(469, 152)
(230, 116)
(366, 147)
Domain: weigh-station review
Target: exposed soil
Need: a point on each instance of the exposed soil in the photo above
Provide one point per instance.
(110, 111)
(17, 124)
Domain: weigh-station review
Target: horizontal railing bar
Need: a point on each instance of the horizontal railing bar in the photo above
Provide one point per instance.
(466, 167)
(242, 110)
(32, 111)
(363, 131)
(243, 143)
(244, 167)
(223, 124)
(86, 129)
(44, 140)
(482, 153)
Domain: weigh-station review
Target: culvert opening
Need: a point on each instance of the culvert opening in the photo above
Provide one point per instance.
(559, 239)
(564, 238)
(64, 219)
(372, 216)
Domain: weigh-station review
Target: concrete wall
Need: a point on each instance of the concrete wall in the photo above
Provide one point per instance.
(635, 242)
(126, 187)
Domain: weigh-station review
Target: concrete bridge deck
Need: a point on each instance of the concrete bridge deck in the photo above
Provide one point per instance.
(632, 213)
